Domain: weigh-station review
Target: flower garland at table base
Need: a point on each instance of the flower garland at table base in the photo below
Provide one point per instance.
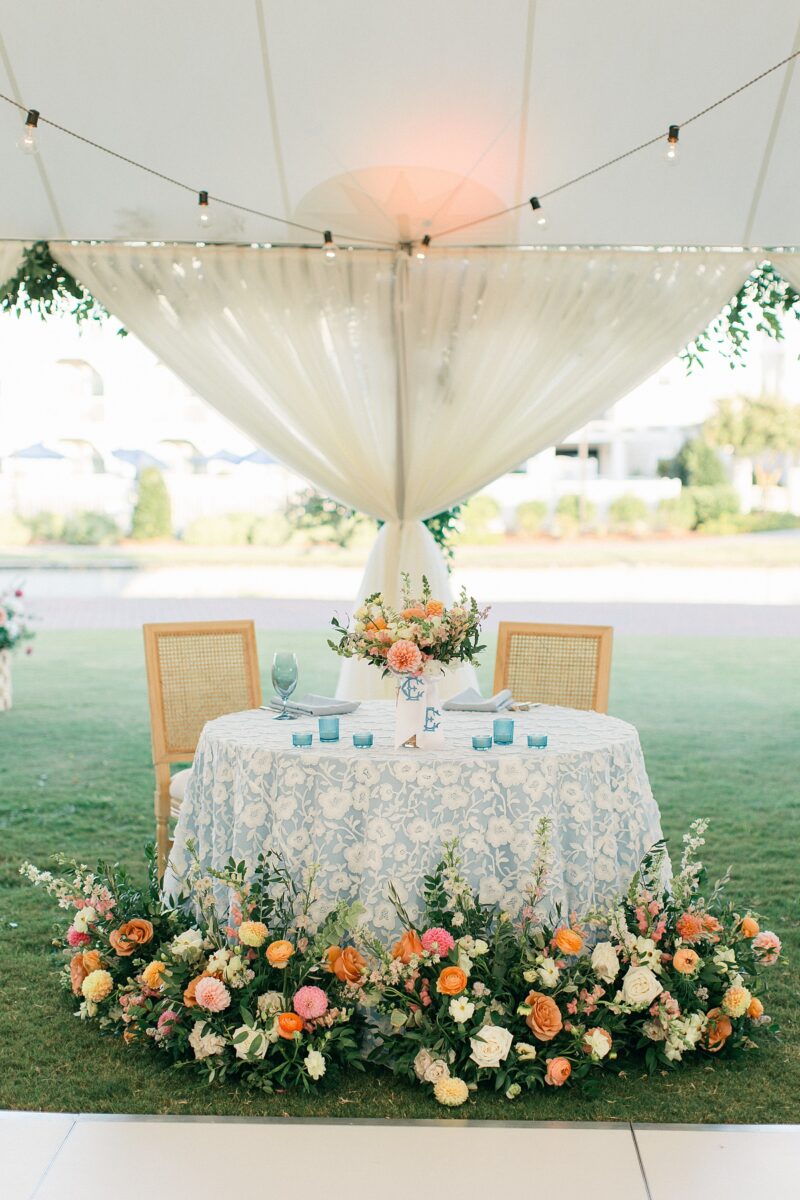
(466, 999)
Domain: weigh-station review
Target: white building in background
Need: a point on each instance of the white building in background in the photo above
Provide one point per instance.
(82, 411)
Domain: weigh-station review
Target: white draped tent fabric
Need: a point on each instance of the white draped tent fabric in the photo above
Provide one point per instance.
(401, 387)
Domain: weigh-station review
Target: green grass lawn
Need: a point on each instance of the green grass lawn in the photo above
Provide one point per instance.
(719, 721)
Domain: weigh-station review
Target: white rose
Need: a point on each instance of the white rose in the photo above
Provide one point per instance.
(480, 947)
(605, 962)
(548, 973)
(83, 918)
(461, 1009)
(597, 1042)
(249, 1043)
(491, 1045)
(188, 946)
(422, 1062)
(640, 987)
(268, 1004)
(437, 1070)
(314, 1063)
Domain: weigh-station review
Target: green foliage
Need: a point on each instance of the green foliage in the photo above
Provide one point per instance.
(152, 515)
(713, 503)
(572, 514)
(531, 515)
(677, 514)
(321, 518)
(755, 426)
(442, 527)
(91, 529)
(628, 512)
(237, 529)
(13, 530)
(477, 517)
(696, 464)
(46, 527)
(43, 286)
(760, 305)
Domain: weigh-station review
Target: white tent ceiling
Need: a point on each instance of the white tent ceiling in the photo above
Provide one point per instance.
(389, 120)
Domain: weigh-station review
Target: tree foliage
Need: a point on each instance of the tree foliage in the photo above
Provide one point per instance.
(152, 515)
(696, 464)
(760, 305)
(42, 286)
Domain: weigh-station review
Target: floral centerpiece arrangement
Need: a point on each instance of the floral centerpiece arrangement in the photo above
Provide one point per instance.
(413, 643)
(264, 999)
(475, 1000)
(15, 628)
(465, 999)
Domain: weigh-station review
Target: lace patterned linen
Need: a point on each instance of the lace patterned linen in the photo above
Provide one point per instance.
(368, 817)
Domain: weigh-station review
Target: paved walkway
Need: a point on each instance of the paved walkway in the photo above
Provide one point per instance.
(64, 1157)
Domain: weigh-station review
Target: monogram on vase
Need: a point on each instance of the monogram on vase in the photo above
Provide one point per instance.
(414, 644)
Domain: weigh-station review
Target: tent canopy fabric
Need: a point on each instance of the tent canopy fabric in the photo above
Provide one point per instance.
(390, 121)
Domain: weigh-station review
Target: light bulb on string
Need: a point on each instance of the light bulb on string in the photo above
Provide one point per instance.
(328, 244)
(426, 241)
(204, 214)
(27, 143)
(536, 205)
(672, 142)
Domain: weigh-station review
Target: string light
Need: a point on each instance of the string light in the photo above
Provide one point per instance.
(536, 205)
(672, 142)
(27, 143)
(204, 215)
(426, 241)
(328, 244)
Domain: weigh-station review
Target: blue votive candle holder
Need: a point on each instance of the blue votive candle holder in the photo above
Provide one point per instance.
(503, 731)
(329, 729)
(362, 741)
(537, 741)
(482, 741)
(302, 739)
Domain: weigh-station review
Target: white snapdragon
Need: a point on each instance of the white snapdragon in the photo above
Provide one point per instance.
(549, 973)
(724, 960)
(315, 1065)
(647, 954)
(83, 918)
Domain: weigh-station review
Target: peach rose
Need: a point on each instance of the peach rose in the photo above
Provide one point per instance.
(711, 926)
(151, 975)
(558, 1071)
(346, 964)
(718, 1030)
(750, 927)
(755, 1009)
(81, 965)
(451, 981)
(415, 610)
(125, 940)
(568, 941)
(189, 996)
(685, 961)
(690, 927)
(434, 608)
(289, 1024)
(544, 1020)
(408, 946)
(279, 953)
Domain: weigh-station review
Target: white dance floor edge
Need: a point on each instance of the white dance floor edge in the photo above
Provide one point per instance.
(44, 1156)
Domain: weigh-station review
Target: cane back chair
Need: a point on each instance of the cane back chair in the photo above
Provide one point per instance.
(568, 665)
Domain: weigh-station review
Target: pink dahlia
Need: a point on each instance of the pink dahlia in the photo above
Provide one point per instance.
(212, 994)
(437, 941)
(76, 938)
(404, 657)
(767, 947)
(310, 1003)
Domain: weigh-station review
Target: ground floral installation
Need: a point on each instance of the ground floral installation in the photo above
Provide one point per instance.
(15, 624)
(423, 631)
(466, 999)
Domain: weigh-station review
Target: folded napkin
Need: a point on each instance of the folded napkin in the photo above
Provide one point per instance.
(316, 706)
(470, 700)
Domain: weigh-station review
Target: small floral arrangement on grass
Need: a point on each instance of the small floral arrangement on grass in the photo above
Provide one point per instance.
(15, 624)
(263, 998)
(422, 632)
(477, 1000)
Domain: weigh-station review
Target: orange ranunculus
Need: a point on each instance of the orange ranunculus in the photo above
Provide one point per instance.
(711, 925)
(279, 953)
(415, 610)
(689, 926)
(451, 981)
(434, 608)
(375, 625)
(129, 936)
(718, 1030)
(289, 1024)
(78, 970)
(750, 927)
(568, 941)
(558, 1071)
(685, 961)
(408, 946)
(755, 1009)
(151, 975)
(346, 964)
(191, 987)
(544, 1020)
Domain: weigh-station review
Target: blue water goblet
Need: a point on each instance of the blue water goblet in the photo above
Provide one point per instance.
(284, 680)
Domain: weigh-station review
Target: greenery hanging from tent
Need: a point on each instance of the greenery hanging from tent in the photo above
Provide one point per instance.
(758, 307)
(43, 286)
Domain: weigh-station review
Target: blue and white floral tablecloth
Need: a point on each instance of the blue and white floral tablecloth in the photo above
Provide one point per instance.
(371, 817)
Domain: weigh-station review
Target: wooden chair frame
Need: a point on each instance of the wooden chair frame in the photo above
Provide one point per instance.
(602, 634)
(166, 754)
